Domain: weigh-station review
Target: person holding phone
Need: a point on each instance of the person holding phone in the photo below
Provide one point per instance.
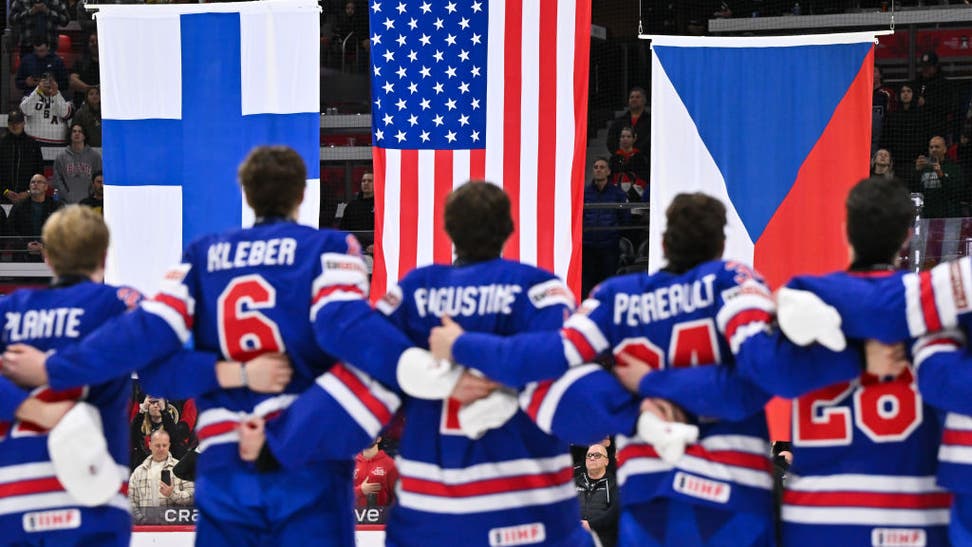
(153, 484)
(941, 181)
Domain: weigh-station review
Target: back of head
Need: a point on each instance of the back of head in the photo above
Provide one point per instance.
(879, 214)
(75, 240)
(273, 180)
(478, 219)
(694, 231)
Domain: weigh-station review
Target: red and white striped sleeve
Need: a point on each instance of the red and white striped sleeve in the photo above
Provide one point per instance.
(343, 277)
(583, 339)
(747, 309)
(173, 303)
(934, 299)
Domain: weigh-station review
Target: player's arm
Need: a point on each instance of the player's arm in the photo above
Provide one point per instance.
(346, 326)
(533, 356)
(343, 399)
(944, 368)
(892, 310)
(583, 406)
(12, 397)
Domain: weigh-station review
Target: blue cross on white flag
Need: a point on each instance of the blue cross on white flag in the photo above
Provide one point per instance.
(188, 91)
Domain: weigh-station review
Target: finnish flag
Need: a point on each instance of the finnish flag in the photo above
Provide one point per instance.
(188, 90)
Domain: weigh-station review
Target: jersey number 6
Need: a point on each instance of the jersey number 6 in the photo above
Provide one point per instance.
(244, 331)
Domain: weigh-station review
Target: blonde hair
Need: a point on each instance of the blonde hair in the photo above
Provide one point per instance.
(75, 240)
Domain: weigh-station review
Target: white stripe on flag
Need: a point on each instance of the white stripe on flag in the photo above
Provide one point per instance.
(425, 235)
(695, 171)
(529, 129)
(142, 67)
(495, 120)
(391, 246)
(565, 129)
(278, 47)
(460, 168)
(157, 249)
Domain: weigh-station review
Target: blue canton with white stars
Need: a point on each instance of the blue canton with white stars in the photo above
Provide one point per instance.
(428, 74)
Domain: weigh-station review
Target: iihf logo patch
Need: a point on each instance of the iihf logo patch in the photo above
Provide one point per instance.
(61, 519)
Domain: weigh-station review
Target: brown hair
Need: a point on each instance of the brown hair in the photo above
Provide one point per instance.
(694, 232)
(75, 240)
(273, 179)
(478, 219)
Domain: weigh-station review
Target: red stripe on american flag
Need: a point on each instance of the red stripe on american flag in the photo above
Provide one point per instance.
(582, 45)
(489, 486)
(512, 83)
(580, 343)
(951, 436)
(927, 297)
(744, 318)
(4, 429)
(408, 221)
(327, 291)
(361, 391)
(216, 428)
(537, 399)
(477, 164)
(31, 486)
(933, 500)
(442, 245)
(379, 274)
(176, 304)
(547, 134)
(49, 395)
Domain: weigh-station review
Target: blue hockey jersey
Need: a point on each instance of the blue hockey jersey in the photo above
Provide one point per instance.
(275, 287)
(516, 481)
(32, 501)
(677, 323)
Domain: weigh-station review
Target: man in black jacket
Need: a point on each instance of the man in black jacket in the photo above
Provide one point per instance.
(20, 159)
(597, 492)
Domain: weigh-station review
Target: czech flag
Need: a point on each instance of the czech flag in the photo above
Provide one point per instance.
(778, 128)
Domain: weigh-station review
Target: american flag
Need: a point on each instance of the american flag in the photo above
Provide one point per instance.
(478, 89)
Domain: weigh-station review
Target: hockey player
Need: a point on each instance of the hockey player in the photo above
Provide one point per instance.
(39, 505)
(275, 287)
(864, 448)
(901, 307)
(698, 310)
(487, 473)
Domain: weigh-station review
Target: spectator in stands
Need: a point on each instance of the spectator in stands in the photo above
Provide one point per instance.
(27, 219)
(941, 181)
(360, 213)
(905, 132)
(936, 95)
(600, 247)
(47, 112)
(96, 200)
(20, 158)
(156, 413)
(153, 484)
(597, 492)
(352, 21)
(375, 476)
(37, 19)
(36, 64)
(882, 164)
(86, 74)
(75, 166)
(883, 103)
(629, 166)
(963, 149)
(637, 118)
(89, 116)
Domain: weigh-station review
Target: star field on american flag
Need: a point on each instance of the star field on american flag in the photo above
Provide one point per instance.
(428, 73)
